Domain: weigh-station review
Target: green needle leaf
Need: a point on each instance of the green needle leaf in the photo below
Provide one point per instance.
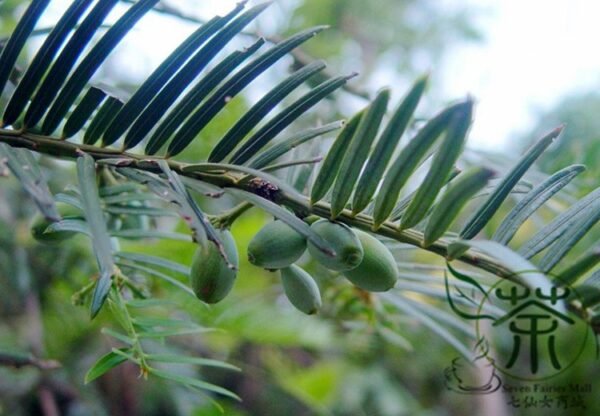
(286, 117)
(492, 204)
(454, 199)
(553, 230)
(178, 115)
(168, 95)
(104, 364)
(357, 152)
(23, 165)
(43, 60)
(259, 110)
(333, 160)
(441, 167)
(274, 152)
(524, 271)
(384, 149)
(100, 122)
(192, 382)
(82, 113)
(407, 161)
(62, 66)
(571, 236)
(583, 264)
(534, 200)
(405, 202)
(90, 64)
(182, 359)
(86, 172)
(17, 40)
(233, 86)
(163, 74)
(201, 227)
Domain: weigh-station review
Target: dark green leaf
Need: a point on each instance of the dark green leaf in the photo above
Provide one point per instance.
(294, 163)
(454, 199)
(90, 64)
(286, 117)
(233, 86)
(17, 40)
(407, 161)
(83, 112)
(483, 215)
(386, 145)
(534, 200)
(405, 202)
(163, 74)
(333, 160)
(180, 113)
(43, 60)
(357, 152)
(441, 167)
(102, 119)
(62, 66)
(588, 295)
(259, 110)
(182, 79)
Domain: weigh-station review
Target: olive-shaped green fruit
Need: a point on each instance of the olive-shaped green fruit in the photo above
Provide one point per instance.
(276, 246)
(40, 224)
(348, 251)
(301, 289)
(378, 271)
(211, 277)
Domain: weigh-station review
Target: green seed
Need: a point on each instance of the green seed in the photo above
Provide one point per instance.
(210, 277)
(301, 289)
(378, 271)
(348, 251)
(276, 246)
(40, 224)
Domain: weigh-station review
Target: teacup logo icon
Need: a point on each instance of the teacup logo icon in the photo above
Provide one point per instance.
(532, 333)
(476, 376)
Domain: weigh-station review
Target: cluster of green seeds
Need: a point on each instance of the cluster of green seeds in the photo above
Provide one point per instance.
(360, 257)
